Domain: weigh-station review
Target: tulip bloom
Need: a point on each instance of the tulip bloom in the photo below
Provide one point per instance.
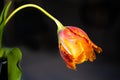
(76, 47)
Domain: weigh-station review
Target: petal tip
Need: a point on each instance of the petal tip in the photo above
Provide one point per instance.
(71, 66)
(99, 50)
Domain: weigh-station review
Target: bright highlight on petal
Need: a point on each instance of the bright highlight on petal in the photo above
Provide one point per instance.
(76, 47)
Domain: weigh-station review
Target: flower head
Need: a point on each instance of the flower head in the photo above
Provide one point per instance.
(76, 47)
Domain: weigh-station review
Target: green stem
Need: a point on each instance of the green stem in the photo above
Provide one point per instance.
(59, 24)
(1, 33)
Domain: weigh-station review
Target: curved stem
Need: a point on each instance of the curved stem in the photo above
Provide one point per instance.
(59, 24)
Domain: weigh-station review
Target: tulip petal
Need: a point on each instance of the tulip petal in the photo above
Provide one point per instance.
(76, 47)
(67, 57)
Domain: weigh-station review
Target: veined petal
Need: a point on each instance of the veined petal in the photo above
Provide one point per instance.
(67, 57)
(76, 47)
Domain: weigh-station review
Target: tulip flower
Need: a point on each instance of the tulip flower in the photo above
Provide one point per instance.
(76, 47)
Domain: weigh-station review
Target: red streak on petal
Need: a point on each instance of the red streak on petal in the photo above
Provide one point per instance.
(81, 33)
(67, 57)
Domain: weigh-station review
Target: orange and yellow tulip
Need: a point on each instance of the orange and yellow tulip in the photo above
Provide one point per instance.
(76, 47)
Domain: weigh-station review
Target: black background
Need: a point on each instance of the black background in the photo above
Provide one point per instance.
(36, 34)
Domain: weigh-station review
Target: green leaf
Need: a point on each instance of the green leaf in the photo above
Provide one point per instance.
(4, 12)
(1, 53)
(14, 56)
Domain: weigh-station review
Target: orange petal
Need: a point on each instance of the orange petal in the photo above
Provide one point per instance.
(67, 57)
(76, 47)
